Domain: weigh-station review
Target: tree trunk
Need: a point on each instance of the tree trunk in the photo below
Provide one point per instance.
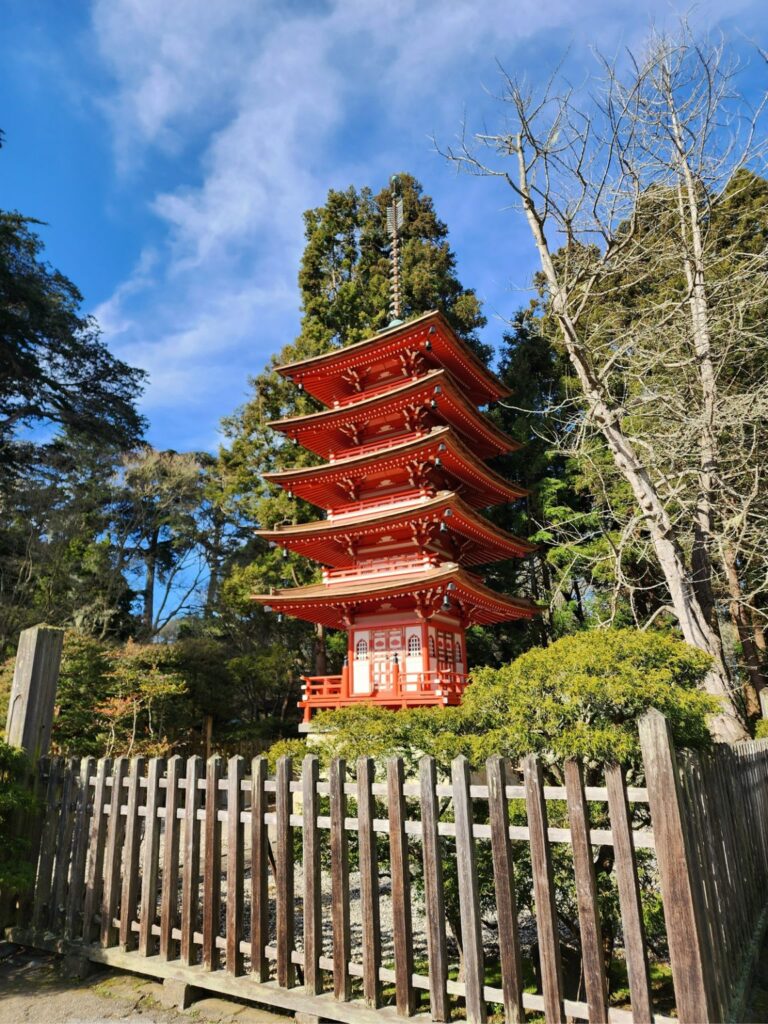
(758, 632)
(214, 565)
(454, 925)
(208, 735)
(580, 614)
(692, 252)
(694, 625)
(743, 622)
(150, 562)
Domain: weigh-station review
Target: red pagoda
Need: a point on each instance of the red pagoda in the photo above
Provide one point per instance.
(403, 485)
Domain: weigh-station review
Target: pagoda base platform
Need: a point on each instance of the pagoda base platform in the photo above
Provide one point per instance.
(398, 690)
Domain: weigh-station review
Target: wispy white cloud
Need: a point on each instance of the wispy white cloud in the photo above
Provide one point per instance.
(259, 107)
(175, 64)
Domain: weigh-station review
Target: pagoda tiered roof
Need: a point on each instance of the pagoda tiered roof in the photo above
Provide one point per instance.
(335, 604)
(412, 407)
(445, 524)
(403, 485)
(400, 465)
(427, 342)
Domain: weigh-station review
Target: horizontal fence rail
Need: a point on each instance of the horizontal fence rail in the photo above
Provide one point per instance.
(366, 893)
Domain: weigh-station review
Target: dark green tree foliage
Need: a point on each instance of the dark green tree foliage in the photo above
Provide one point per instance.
(57, 562)
(54, 368)
(344, 275)
(56, 375)
(537, 377)
(16, 801)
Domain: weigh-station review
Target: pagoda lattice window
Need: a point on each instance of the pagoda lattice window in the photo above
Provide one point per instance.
(361, 650)
(414, 646)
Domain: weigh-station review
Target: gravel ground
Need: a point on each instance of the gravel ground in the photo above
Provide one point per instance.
(356, 916)
(34, 990)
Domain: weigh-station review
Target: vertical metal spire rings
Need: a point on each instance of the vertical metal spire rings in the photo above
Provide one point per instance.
(394, 224)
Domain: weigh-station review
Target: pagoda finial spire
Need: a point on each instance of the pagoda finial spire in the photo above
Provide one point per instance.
(394, 224)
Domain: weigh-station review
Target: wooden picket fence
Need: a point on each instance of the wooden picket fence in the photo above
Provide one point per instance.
(242, 884)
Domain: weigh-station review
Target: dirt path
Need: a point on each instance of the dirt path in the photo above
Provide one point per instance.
(33, 990)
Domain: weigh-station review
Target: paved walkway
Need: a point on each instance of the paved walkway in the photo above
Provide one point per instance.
(33, 990)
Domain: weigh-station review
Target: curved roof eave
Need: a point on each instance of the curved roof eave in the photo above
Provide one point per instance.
(327, 359)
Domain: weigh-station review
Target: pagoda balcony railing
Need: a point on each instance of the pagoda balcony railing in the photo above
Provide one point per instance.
(381, 503)
(377, 567)
(388, 385)
(375, 446)
(391, 688)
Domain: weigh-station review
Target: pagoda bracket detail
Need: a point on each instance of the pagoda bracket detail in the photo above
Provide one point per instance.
(354, 377)
(350, 487)
(412, 362)
(352, 431)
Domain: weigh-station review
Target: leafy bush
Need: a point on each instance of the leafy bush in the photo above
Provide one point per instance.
(295, 748)
(580, 697)
(118, 700)
(156, 699)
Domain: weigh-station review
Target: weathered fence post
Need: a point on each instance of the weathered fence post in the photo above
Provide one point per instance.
(369, 881)
(593, 962)
(504, 882)
(469, 899)
(313, 908)
(342, 942)
(33, 694)
(434, 893)
(28, 725)
(685, 929)
(402, 922)
(284, 874)
(544, 891)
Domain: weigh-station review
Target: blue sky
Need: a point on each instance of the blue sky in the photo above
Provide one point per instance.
(172, 146)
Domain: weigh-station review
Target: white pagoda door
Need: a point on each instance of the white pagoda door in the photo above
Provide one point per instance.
(361, 663)
(414, 658)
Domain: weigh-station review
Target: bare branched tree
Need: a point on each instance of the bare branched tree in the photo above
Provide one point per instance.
(656, 290)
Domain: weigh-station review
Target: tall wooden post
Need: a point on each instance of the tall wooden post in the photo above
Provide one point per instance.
(33, 694)
(686, 933)
(29, 724)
